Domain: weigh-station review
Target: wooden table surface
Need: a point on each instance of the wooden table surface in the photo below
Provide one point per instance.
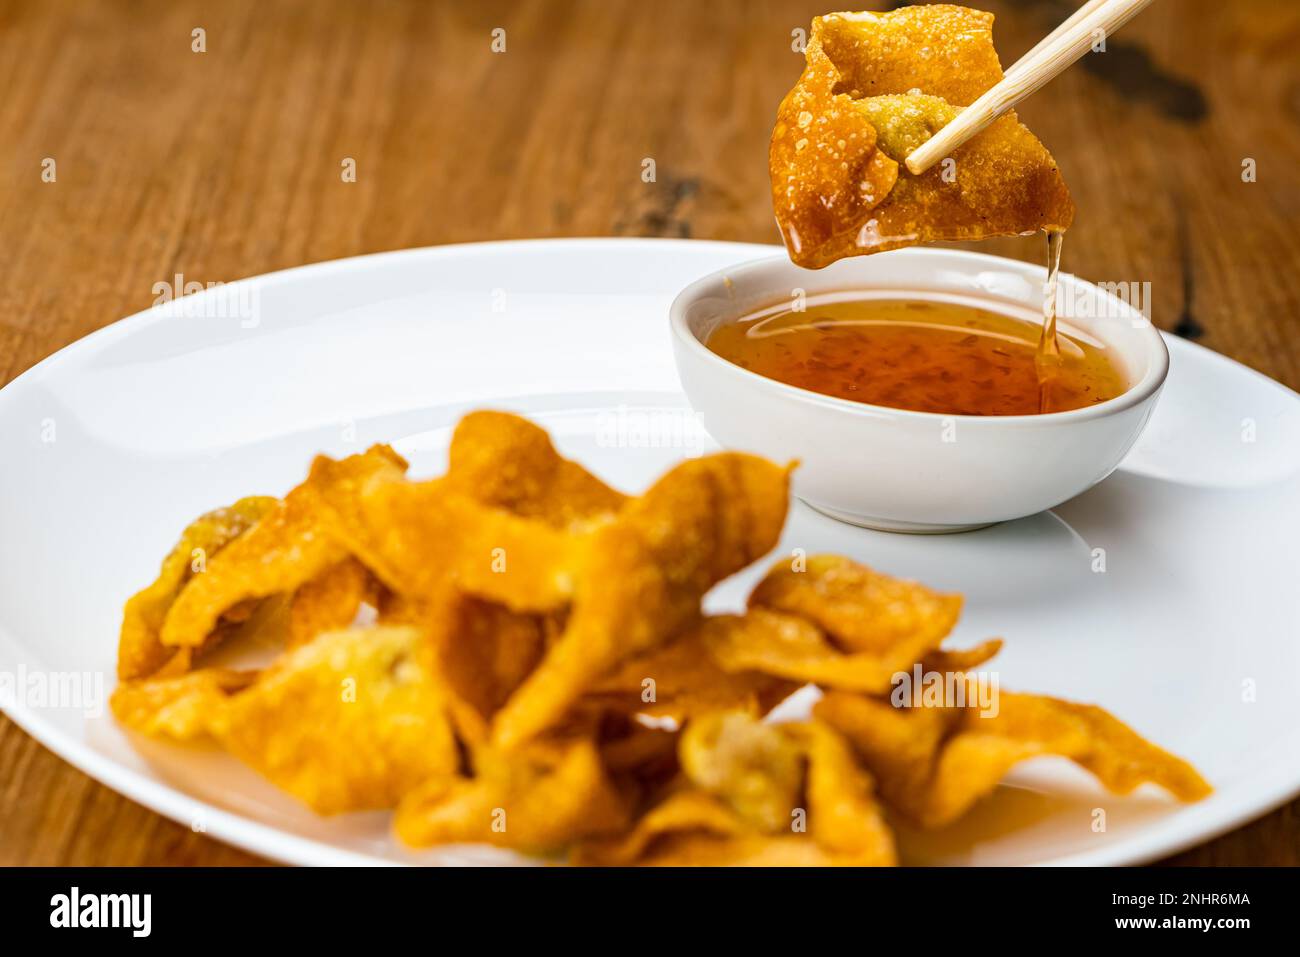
(227, 163)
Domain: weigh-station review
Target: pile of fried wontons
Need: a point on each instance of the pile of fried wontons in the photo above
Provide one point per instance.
(876, 86)
(514, 653)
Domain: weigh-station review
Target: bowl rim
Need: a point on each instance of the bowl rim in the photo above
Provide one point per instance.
(1141, 391)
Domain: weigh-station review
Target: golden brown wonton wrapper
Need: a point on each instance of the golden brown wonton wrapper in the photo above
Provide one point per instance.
(351, 721)
(640, 577)
(286, 549)
(507, 462)
(539, 798)
(420, 538)
(684, 678)
(861, 611)
(764, 642)
(758, 794)
(331, 601)
(876, 86)
(184, 707)
(483, 651)
(933, 763)
(140, 653)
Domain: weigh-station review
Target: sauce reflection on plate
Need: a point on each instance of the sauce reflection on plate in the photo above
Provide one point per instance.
(923, 355)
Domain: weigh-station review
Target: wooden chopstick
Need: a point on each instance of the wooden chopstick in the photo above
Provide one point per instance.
(1048, 59)
(1055, 35)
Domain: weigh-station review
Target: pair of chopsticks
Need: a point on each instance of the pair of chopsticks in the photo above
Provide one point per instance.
(1058, 50)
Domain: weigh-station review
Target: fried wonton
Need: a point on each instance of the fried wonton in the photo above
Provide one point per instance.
(140, 653)
(421, 537)
(756, 768)
(758, 794)
(540, 798)
(331, 601)
(933, 763)
(505, 461)
(182, 707)
(483, 651)
(351, 721)
(693, 829)
(683, 678)
(861, 612)
(640, 577)
(769, 643)
(875, 87)
(286, 549)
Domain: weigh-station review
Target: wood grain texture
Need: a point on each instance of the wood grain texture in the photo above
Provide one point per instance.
(225, 164)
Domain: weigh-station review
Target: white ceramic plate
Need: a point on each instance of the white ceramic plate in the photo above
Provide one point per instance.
(113, 444)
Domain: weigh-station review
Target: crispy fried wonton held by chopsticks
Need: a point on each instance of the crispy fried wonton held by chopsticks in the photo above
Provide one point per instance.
(875, 87)
(933, 763)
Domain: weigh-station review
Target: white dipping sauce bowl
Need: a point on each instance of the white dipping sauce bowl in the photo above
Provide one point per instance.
(904, 471)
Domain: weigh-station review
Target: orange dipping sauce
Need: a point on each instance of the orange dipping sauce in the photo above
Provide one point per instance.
(922, 355)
